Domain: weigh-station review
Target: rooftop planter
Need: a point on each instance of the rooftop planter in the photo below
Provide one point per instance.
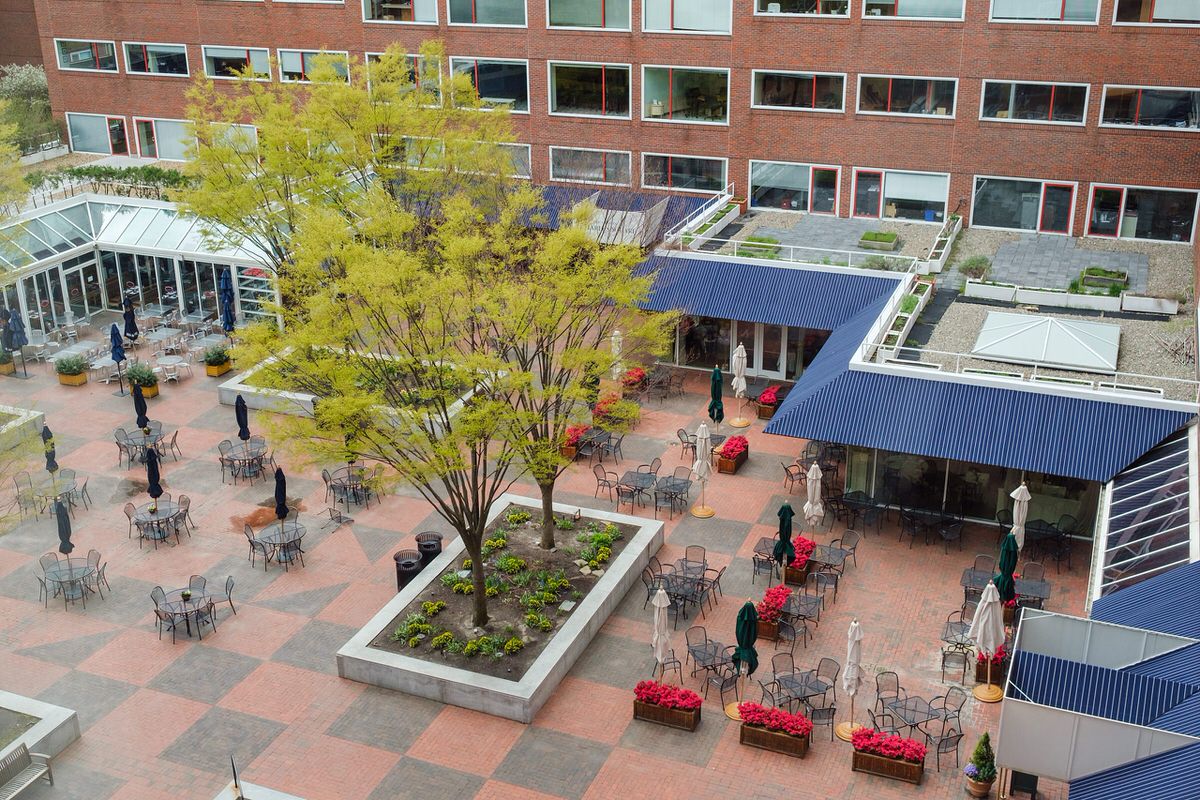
(670, 706)
(774, 729)
(7, 367)
(887, 756)
(1149, 304)
(770, 609)
(713, 226)
(879, 240)
(990, 290)
(18, 425)
(72, 370)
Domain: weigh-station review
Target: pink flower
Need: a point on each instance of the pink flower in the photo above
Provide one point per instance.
(770, 607)
(769, 396)
(733, 447)
(775, 719)
(660, 694)
(633, 378)
(574, 434)
(804, 548)
(887, 745)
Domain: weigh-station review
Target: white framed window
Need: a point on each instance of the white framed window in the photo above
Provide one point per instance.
(698, 95)
(687, 16)
(942, 10)
(611, 15)
(1117, 211)
(522, 159)
(167, 139)
(1023, 204)
(791, 186)
(580, 89)
(584, 165)
(150, 58)
(97, 133)
(802, 8)
(422, 71)
(900, 194)
(1034, 102)
(494, 13)
(1069, 12)
(684, 173)
(798, 91)
(1157, 13)
(499, 82)
(86, 55)
(907, 96)
(401, 12)
(295, 66)
(224, 63)
(1157, 107)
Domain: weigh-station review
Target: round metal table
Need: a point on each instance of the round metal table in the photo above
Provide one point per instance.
(156, 524)
(69, 574)
(174, 604)
(278, 534)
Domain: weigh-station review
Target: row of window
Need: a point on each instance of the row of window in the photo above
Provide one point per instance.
(151, 58)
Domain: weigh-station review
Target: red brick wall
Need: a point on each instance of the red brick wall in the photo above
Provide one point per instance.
(19, 33)
(969, 50)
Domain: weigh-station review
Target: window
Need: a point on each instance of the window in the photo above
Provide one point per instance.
(420, 12)
(1023, 205)
(498, 83)
(893, 194)
(590, 166)
(1151, 107)
(687, 16)
(487, 12)
(794, 187)
(1078, 11)
(295, 66)
(879, 94)
(423, 72)
(162, 138)
(1140, 212)
(914, 9)
(804, 8)
(86, 56)
(520, 159)
(589, 90)
(156, 59)
(228, 62)
(1064, 103)
(95, 133)
(685, 173)
(804, 91)
(685, 94)
(613, 14)
(1157, 12)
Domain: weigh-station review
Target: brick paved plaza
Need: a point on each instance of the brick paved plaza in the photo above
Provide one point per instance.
(161, 720)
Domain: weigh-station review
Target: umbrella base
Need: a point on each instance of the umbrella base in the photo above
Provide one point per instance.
(732, 712)
(703, 512)
(844, 730)
(988, 693)
(740, 422)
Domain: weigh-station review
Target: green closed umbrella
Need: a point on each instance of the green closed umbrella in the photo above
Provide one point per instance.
(716, 408)
(1008, 565)
(746, 631)
(784, 551)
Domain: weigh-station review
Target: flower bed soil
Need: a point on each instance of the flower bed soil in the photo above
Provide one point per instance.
(12, 725)
(505, 612)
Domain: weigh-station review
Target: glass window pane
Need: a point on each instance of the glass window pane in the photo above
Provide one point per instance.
(589, 166)
(173, 139)
(915, 195)
(837, 8)
(87, 55)
(937, 9)
(401, 10)
(684, 172)
(687, 15)
(1106, 212)
(1158, 214)
(487, 12)
(589, 89)
(89, 133)
(704, 342)
(776, 185)
(498, 83)
(1004, 203)
(689, 95)
(164, 59)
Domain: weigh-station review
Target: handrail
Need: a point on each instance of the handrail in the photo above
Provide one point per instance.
(704, 210)
(832, 257)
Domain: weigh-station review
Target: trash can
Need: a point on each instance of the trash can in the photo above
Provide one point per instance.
(408, 564)
(429, 543)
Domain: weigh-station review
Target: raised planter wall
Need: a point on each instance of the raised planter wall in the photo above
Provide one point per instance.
(516, 700)
(988, 291)
(713, 232)
(1151, 305)
(730, 466)
(1096, 302)
(56, 730)
(936, 259)
(27, 423)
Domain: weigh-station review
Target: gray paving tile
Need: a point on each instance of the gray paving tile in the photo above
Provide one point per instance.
(71, 652)
(204, 673)
(694, 747)
(315, 646)
(91, 696)
(307, 604)
(614, 661)
(220, 734)
(553, 762)
(385, 719)
(73, 781)
(413, 778)
(725, 538)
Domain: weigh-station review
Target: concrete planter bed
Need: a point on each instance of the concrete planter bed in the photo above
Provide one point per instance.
(879, 241)
(466, 682)
(1150, 305)
(712, 227)
(17, 424)
(55, 730)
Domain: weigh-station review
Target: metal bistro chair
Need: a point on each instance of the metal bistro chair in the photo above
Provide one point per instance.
(822, 715)
(256, 547)
(686, 442)
(763, 562)
(605, 480)
(792, 474)
(952, 656)
(667, 500)
(887, 689)
(626, 495)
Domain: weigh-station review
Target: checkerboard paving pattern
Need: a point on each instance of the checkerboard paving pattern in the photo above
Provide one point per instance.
(162, 720)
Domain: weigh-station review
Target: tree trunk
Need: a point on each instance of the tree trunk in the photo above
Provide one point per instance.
(547, 515)
(480, 591)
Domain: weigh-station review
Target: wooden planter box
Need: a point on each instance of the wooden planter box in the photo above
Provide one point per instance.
(72, 380)
(998, 672)
(569, 451)
(1010, 614)
(729, 466)
(150, 391)
(892, 768)
(775, 741)
(796, 577)
(217, 370)
(670, 717)
(8, 369)
(766, 412)
(768, 631)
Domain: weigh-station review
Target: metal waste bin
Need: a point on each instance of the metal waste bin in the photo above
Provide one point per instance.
(429, 543)
(408, 564)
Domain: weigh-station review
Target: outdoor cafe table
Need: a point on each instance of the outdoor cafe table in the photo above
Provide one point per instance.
(163, 334)
(143, 441)
(213, 340)
(978, 579)
(51, 487)
(350, 480)
(249, 456)
(640, 482)
(282, 533)
(803, 606)
(69, 575)
(912, 711)
(673, 485)
(169, 361)
(154, 524)
(802, 685)
(175, 605)
(829, 556)
(710, 655)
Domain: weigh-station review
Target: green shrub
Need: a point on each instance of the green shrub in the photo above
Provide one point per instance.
(759, 247)
(448, 580)
(141, 375)
(984, 759)
(432, 608)
(517, 517)
(976, 267)
(5, 356)
(564, 523)
(539, 621)
(71, 365)
(513, 646)
(908, 304)
(442, 641)
(216, 356)
(510, 565)
(880, 236)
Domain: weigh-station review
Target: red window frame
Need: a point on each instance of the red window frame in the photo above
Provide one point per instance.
(1046, 185)
(812, 186)
(854, 194)
(1100, 187)
(124, 130)
(137, 132)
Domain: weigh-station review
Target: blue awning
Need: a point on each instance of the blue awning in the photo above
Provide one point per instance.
(1178, 665)
(1166, 775)
(1169, 603)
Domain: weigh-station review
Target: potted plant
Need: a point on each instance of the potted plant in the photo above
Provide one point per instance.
(186, 594)
(7, 367)
(879, 240)
(570, 446)
(72, 370)
(999, 666)
(770, 608)
(796, 572)
(732, 453)
(661, 704)
(774, 729)
(216, 361)
(981, 769)
(142, 375)
(887, 755)
(767, 401)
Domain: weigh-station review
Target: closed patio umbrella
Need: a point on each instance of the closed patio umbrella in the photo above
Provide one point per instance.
(702, 469)
(739, 386)
(243, 418)
(154, 487)
(784, 550)
(716, 408)
(661, 640)
(48, 447)
(617, 340)
(225, 292)
(139, 408)
(64, 528)
(118, 353)
(851, 677)
(131, 328)
(1020, 511)
(814, 509)
(281, 508)
(745, 657)
(1007, 566)
(987, 629)
(18, 339)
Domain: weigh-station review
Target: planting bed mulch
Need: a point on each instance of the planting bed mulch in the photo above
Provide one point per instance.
(512, 639)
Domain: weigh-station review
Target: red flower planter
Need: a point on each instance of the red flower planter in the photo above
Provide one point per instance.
(682, 719)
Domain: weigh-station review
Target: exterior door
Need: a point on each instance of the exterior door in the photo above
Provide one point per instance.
(766, 348)
(868, 194)
(118, 141)
(1058, 202)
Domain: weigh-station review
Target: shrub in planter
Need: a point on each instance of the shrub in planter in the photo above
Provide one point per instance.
(216, 361)
(570, 444)
(999, 665)
(732, 453)
(774, 729)
(796, 572)
(672, 706)
(72, 370)
(143, 375)
(767, 401)
(614, 413)
(976, 267)
(633, 378)
(879, 240)
(981, 769)
(887, 755)
(770, 608)
(6, 363)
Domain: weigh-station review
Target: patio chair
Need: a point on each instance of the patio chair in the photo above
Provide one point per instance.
(696, 638)
(659, 672)
(612, 447)
(695, 554)
(884, 722)
(952, 656)
(792, 474)
(229, 594)
(654, 565)
(667, 500)
(372, 485)
(652, 583)
(652, 468)
(81, 494)
(948, 707)
(849, 542)
(822, 715)
(762, 562)
(157, 595)
(887, 689)
(130, 510)
(1033, 571)
(712, 581)
(184, 517)
(773, 694)
(48, 560)
(256, 547)
(968, 612)
(165, 620)
(947, 743)
(196, 583)
(686, 442)
(783, 664)
(726, 681)
(984, 563)
(101, 576)
(827, 672)
(27, 502)
(950, 531)
(172, 447)
(227, 463)
(1005, 518)
(626, 495)
(1058, 548)
(43, 590)
(821, 582)
(604, 480)
(682, 473)
(124, 449)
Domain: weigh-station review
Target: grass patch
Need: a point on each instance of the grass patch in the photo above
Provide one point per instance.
(759, 247)
(977, 267)
(908, 304)
(880, 236)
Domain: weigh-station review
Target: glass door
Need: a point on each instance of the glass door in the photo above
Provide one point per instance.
(75, 299)
(147, 145)
(868, 194)
(772, 342)
(823, 197)
(1058, 200)
(118, 142)
(93, 291)
(1106, 211)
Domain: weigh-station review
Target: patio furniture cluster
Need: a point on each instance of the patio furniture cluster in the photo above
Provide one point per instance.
(687, 582)
(938, 720)
(644, 484)
(352, 484)
(73, 579)
(36, 494)
(281, 541)
(132, 446)
(246, 459)
(159, 519)
(193, 605)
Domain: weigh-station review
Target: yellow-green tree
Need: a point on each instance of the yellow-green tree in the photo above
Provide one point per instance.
(12, 185)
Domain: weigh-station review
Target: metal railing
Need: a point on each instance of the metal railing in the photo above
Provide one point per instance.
(699, 215)
(817, 256)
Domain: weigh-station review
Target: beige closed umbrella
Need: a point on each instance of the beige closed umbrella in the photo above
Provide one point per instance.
(851, 678)
(987, 630)
(739, 386)
(1020, 497)
(661, 639)
(814, 510)
(702, 469)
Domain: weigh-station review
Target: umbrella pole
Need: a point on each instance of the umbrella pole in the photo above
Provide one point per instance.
(120, 382)
(988, 692)
(846, 729)
(702, 511)
(740, 421)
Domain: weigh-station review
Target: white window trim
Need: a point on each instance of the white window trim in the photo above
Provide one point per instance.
(280, 51)
(1147, 25)
(116, 57)
(368, 21)
(685, 33)
(993, 18)
(961, 15)
(528, 159)
(787, 15)
(550, 93)
(525, 4)
(845, 80)
(204, 61)
(837, 195)
(490, 60)
(1041, 204)
(1121, 218)
(627, 29)
(665, 121)
(724, 173)
(858, 97)
(154, 121)
(1117, 126)
(366, 62)
(105, 117)
(883, 187)
(313, 2)
(550, 162)
(186, 58)
(1087, 101)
